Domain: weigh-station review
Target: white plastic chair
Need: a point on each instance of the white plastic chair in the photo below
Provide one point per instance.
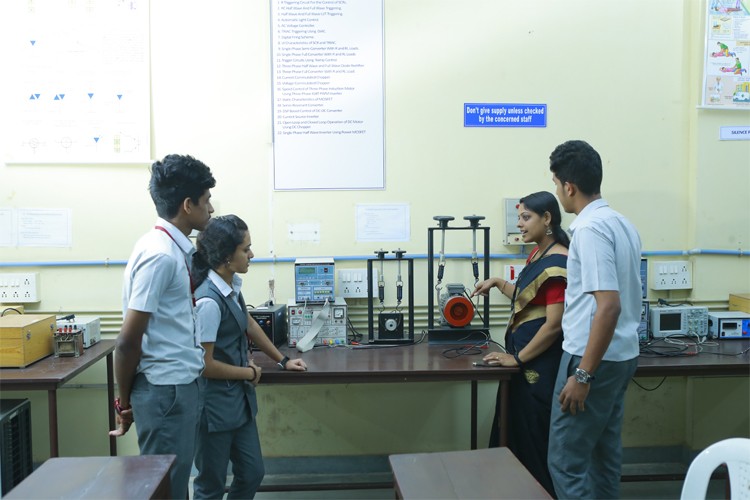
(735, 452)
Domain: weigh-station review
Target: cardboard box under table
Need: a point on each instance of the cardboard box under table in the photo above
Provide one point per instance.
(25, 338)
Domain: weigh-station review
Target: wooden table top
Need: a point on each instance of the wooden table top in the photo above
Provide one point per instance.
(408, 363)
(131, 477)
(51, 372)
(487, 473)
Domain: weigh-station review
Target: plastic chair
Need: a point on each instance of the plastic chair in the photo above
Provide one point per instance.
(735, 452)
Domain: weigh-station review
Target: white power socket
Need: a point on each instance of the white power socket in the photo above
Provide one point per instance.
(672, 275)
(19, 288)
(352, 283)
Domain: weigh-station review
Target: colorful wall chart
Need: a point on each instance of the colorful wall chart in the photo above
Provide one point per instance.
(726, 82)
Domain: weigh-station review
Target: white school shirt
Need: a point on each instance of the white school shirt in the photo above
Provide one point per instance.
(207, 312)
(604, 255)
(157, 281)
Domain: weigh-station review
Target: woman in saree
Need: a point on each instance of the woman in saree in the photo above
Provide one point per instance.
(533, 340)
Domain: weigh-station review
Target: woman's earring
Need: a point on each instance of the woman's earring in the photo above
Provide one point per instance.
(548, 232)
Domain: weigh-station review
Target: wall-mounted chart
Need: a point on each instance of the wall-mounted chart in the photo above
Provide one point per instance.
(726, 81)
(81, 92)
(328, 101)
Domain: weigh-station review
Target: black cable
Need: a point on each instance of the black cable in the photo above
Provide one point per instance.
(650, 350)
(470, 350)
(356, 336)
(466, 350)
(667, 351)
(476, 309)
(379, 346)
(10, 309)
(646, 388)
(727, 353)
(664, 302)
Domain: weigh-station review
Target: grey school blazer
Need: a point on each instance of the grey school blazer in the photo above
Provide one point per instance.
(228, 404)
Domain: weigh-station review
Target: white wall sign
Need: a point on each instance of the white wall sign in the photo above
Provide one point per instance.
(735, 134)
(44, 227)
(327, 94)
(383, 222)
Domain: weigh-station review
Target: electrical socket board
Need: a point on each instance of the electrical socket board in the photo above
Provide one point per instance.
(353, 283)
(672, 275)
(512, 233)
(511, 272)
(19, 288)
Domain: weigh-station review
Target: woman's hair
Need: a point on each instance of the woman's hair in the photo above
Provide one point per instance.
(216, 244)
(542, 202)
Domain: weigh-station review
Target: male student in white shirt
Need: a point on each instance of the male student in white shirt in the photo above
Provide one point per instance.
(158, 358)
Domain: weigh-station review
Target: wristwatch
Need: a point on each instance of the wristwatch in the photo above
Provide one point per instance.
(282, 364)
(582, 376)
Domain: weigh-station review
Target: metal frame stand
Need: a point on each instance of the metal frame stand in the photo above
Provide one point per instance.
(408, 337)
(450, 335)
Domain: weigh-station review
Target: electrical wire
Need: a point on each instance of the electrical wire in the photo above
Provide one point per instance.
(476, 308)
(356, 336)
(421, 339)
(646, 388)
(10, 309)
(666, 303)
(678, 345)
(467, 350)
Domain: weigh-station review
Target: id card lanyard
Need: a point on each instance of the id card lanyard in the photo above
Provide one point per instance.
(187, 266)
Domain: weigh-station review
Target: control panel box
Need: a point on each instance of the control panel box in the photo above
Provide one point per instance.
(304, 317)
(272, 320)
(314, 280)
(90, 327)
(643, 330)
(728, 325)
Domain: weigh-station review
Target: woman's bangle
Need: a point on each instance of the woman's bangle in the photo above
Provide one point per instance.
(518, 360)
(502, 288)
(255, 373)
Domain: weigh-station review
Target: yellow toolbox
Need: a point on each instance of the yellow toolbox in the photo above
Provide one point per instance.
(739, 302)
(25, 338)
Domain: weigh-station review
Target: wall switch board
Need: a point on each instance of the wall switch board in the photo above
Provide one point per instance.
(672, 275)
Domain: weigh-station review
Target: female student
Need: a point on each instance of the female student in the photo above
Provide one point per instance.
(533, 340)
(228, 429)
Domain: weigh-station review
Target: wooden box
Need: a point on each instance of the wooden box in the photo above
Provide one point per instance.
(739, 302)
(25, 338)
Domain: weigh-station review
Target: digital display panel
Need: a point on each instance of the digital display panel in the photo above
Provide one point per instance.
(670, 321)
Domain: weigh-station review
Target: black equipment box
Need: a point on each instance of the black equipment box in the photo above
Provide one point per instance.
(272, 320)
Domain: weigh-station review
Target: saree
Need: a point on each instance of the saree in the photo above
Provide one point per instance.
(530, 397)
